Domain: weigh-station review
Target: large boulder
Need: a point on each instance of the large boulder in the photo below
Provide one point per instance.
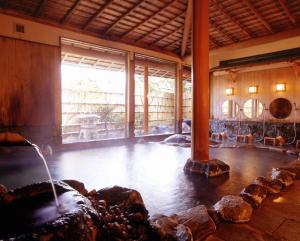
(169, 229)
(78, 186)
(117, 195)
(234, 209)
(177, 139)
(210, 168)
(254, 194)
(198, 221)
(127, 199)
(284, 176)
(32, 215)
(272, 186)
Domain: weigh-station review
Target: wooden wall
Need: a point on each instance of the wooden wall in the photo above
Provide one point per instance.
(266, 80)
(30, 89)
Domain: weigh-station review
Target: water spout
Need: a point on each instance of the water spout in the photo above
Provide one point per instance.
(14, 139)
(48, 172)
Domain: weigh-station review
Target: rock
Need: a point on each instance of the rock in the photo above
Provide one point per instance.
(177, 139)
(117, 195)
(76, 220)
(285, 177)
(183, 233)
(273, 186)
(198, 220)
(293, 167)
(166, 227)
(254, 194)
(3, 190)
(234, 209)
(213, 238)
(126, 198)
(209, 168)
(78, 186)
(169, 229)
(214, 215)
(4, 196)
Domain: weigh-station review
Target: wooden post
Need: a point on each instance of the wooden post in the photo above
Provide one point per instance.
(200, 51)
(130, 95)
(146, 104)
(179, 98)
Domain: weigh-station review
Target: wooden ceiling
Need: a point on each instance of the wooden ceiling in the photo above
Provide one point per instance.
(163, 25)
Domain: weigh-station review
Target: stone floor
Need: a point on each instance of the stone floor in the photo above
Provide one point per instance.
(153, 169)
(278, 219)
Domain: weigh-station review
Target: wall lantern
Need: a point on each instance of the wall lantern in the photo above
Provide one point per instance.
(229, 91)
(280, 87)
(253, 89)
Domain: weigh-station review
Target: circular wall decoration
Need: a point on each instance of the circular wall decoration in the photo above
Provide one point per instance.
(230, 109)
(281, 108)
(253, 108)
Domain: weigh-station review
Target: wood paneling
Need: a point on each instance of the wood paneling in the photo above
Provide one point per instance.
(266, 81)
(30, 87)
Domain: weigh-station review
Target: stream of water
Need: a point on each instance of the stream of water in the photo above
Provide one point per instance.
(48, 172)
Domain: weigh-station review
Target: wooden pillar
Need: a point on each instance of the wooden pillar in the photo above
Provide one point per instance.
(200, 51)
(179, 98)
(146, 103)
(130, 95)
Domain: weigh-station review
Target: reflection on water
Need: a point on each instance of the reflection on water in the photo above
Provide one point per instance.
(155, 170)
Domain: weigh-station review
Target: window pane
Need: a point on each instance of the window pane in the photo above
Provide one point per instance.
(93, 94)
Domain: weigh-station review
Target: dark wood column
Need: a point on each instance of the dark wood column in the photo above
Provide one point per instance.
(179, 98)
(130, 95)
(146, 104)
(200, 68)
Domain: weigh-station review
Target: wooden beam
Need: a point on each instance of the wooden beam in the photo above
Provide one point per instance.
(179, 98)
(160, 27)
(225, 13)
(130, 95)
(187, 27)
(200, 119)
(170, 44)
(70, 12)
(146, 103)
(287, 11)
(147, 19)
(97, 13)
(223, 32)
(258, 15)
(126, 13)
(39, 8)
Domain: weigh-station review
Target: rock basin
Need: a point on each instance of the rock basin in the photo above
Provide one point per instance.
(30, 213)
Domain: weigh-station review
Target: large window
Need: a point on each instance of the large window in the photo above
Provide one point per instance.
(154, 114)
(93, 93)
